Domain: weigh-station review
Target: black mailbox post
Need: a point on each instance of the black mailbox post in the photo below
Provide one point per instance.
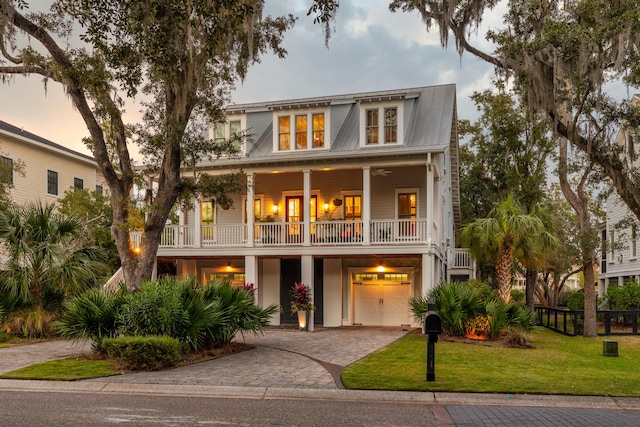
(432, 328)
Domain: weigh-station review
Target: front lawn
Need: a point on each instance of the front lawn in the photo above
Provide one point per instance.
(558, 365)
(70, 369)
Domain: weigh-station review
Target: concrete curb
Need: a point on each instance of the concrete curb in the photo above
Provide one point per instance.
(558, 401)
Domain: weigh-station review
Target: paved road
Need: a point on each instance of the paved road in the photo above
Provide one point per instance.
(289, 364)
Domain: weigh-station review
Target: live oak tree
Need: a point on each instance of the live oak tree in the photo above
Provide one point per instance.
(182, 54)
(565, 53)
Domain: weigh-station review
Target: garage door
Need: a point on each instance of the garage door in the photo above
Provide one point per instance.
(380, 303)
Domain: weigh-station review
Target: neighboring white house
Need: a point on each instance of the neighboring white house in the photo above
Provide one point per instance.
(619, 261)
(355, 195)
(47, 169)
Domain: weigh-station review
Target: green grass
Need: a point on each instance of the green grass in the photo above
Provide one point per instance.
(70, 369)
(558, 365)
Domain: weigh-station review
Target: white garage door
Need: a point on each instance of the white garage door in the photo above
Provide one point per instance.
(379, 303)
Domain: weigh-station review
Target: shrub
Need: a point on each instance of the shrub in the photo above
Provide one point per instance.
(144, 353)
(518, 297)
(92, 315)
(473, 306)
(156, 309)
(516, 337)
(241, 314)
(30, 322)
(625, 297)
(575, 300)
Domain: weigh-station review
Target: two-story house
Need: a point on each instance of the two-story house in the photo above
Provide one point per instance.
(47, 169)
(619, 257)
(355, 195)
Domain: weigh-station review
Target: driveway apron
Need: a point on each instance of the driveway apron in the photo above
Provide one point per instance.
(281, 358)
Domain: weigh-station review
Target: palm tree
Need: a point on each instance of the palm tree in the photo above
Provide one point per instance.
(496, 239)
(45, 253)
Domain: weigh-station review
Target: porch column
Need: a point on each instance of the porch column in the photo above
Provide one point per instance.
(366, 205)
(306, 227)
(429, 201)
(197, 228)
(306, 274)
(251, 275)
(250, 211)
(427, 272)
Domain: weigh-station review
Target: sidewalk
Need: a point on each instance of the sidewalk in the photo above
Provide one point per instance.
(284, 364)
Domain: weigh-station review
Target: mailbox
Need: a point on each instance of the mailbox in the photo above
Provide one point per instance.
(432, 323)
(432, 328)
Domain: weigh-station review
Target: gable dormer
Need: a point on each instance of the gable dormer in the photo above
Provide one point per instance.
(303, 126)
(381, 121)
(233, 128)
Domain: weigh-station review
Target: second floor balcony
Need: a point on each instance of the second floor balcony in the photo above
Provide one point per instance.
(319, 233)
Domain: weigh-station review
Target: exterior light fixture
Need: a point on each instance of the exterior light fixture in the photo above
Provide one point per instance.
(326, 207)
(274, 209)
(380, 268)
(229, 268)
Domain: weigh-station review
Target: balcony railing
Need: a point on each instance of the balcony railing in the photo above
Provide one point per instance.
(459, 258)
(322, 233)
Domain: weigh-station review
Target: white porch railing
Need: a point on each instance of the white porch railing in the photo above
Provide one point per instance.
(388, 232)
(382, 232)
(459, 258)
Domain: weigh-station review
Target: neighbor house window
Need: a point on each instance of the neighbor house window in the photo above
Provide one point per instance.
(634, 241)
(52, 182)
(284, 132)
(99, 189)
(372, 127)
(6, 164)
(78, 183)
(301, 132)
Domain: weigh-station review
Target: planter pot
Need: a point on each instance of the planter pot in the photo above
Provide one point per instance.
(337, 202)
(303, 319)
(226, 207)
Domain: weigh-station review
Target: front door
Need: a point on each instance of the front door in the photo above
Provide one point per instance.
(294, 215)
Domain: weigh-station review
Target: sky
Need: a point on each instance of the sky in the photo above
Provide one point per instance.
(371, 49)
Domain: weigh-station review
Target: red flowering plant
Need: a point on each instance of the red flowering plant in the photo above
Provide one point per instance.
(301, 298)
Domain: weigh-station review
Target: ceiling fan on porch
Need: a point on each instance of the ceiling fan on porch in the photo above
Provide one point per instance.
(380, 172)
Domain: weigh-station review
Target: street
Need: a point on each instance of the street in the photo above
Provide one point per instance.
(43, 408)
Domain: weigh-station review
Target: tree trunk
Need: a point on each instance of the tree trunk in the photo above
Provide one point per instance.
(580, 203)
(531, 278)
(503, 274)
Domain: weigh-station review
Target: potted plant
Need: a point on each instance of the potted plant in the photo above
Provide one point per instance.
(301, 303)
(337, 202)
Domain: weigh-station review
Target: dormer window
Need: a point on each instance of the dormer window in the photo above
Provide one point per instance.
(306, 129)
(230, 130)
(381, 124)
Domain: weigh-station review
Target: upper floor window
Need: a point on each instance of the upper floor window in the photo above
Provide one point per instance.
(99, 189)
(381, 123)
(78, 183)
(634, 241)
(52, 182)
(305, 129)
(231, 131)
(6, 169)
(284, 132)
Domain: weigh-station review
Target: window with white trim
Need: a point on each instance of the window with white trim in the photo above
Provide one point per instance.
(231, 130)
(300, 130)
(634, 241)
(381, 124)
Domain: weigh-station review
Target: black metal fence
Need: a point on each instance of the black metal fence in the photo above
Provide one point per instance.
(571, 322)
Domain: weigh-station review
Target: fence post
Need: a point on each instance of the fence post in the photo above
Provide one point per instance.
(575, 323)
(634, 322)
(607, 323)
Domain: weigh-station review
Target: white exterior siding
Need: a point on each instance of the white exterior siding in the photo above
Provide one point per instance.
(37, 158)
